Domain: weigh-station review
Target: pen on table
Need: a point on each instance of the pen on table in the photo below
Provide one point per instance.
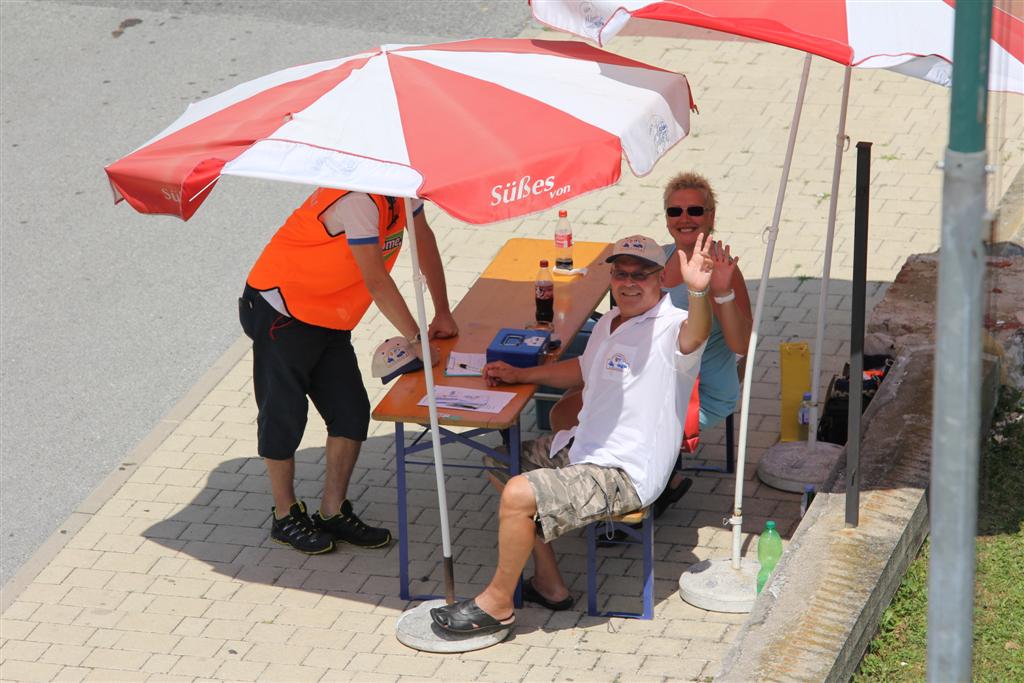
(461, 406)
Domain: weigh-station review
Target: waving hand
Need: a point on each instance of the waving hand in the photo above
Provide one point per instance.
(697, 270)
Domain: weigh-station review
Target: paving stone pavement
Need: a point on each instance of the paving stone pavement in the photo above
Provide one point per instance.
(167, 573)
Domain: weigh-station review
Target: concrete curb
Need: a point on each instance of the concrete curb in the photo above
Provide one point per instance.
(113, 482)
(839, 580)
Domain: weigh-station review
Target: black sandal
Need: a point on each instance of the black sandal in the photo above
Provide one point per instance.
(670, 496)
(617, 537)
(531, 594)
(466, 617)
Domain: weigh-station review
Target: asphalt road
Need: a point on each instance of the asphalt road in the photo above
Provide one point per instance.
(107, 318)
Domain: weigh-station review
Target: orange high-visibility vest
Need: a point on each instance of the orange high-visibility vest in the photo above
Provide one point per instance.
(315, 272)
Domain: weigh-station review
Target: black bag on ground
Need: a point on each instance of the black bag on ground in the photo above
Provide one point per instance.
(835, 415)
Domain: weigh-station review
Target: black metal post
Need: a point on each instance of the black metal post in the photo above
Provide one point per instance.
(860, 272)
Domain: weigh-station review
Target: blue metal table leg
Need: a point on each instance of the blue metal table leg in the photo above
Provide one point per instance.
(592, 569)
(648, 550)
(403, 515)
(514, 446)
(512, 436)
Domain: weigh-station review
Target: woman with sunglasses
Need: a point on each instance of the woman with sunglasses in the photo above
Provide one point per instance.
(690, 212)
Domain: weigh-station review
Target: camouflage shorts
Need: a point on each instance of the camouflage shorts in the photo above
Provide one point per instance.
(570, 496)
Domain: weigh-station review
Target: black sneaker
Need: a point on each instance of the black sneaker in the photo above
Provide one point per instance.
(298, 531)
(346, 527)
(670, 496)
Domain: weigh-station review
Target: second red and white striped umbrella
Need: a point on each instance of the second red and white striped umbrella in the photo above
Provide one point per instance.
(913, 38)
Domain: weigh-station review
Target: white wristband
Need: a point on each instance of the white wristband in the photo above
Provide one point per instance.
(727, 298)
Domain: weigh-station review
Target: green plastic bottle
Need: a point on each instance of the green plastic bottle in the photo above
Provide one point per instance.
(769, 550)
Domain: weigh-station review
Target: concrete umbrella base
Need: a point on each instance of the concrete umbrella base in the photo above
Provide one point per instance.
(793, 465)
(417, 630)
(715, 586)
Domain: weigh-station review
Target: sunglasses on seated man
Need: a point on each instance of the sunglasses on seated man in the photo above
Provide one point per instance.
(677, 211)
(634, 275)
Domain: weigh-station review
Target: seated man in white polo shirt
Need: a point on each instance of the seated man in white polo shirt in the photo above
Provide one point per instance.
(637, 373)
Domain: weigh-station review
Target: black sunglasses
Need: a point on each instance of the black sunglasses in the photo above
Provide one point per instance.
(677, 211)
(636, 276)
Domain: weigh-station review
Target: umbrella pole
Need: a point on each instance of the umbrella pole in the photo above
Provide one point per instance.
(415, 627)
(435, 434)
(748, 374)
(728, 585)
(819, 338)
(799, 465)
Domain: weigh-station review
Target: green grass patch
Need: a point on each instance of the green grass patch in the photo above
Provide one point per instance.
(899, 650)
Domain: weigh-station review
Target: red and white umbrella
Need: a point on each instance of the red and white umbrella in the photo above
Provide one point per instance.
(486, 129)
(914, 38)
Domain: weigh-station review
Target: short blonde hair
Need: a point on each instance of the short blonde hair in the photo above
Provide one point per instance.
(691, 181)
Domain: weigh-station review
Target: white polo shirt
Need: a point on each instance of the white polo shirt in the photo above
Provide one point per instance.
(636, 388)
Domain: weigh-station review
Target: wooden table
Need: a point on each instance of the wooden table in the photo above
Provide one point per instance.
(503, 296)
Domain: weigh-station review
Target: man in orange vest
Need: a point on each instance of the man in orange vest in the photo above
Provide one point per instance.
(307, 291)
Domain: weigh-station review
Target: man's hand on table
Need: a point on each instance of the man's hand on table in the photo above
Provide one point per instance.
(435, 352)
(500, 372)
(443, 327)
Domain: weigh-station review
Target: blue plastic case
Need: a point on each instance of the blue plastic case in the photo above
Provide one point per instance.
(521, 348)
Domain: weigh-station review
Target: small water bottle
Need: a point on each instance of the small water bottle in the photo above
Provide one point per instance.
(544, 290)
(563, 242)
(806, 499)
(803, 416)
(769, 550)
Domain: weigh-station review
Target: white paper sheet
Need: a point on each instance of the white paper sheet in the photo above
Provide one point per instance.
(465, 364)
(574, 271)
(474, 400)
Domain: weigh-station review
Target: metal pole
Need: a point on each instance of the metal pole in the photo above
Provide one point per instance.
(855, 406)
(435, 432)
(748, 374)
(956, 418)
(826, 269)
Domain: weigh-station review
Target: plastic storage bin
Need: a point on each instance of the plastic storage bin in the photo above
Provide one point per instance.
(521, 348)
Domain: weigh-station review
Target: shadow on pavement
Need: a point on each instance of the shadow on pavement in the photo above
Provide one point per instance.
(227, 527)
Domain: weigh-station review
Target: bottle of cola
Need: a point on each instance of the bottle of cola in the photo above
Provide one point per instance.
(544, 289)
